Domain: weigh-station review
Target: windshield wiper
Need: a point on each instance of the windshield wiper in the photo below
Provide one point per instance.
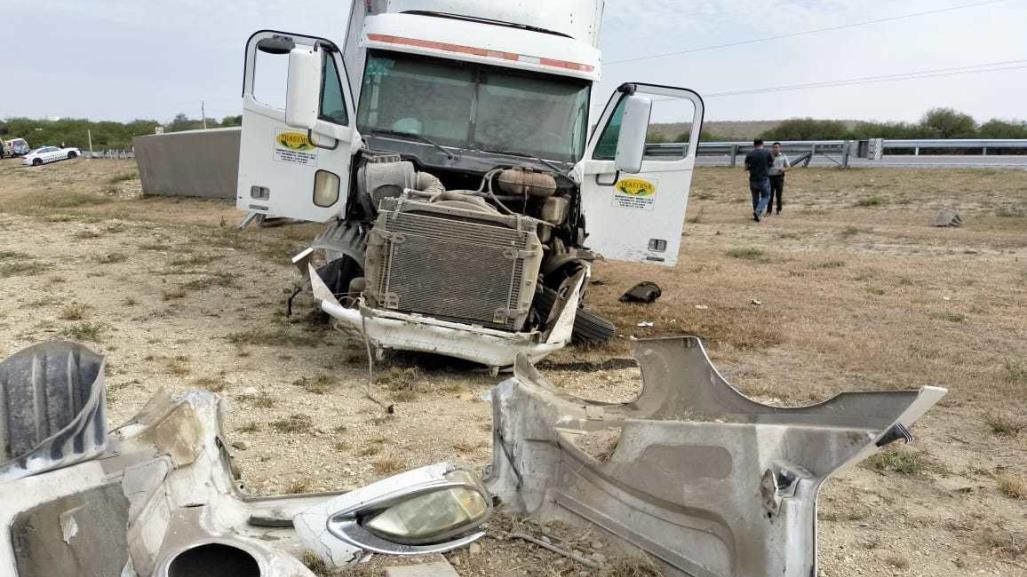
(556, 169)
(424, 139)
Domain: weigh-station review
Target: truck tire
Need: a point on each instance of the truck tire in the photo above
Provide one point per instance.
(589, 328)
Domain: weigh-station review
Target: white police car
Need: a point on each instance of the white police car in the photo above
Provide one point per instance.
(47, 154)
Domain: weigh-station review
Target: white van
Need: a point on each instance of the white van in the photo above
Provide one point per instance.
(15, 147)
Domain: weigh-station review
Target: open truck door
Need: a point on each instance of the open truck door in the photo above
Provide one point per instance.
(298, 129)
(634, 191)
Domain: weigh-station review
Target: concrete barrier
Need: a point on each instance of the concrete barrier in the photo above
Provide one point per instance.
(203, 163)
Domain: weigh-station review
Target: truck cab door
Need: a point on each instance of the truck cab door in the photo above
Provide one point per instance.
(286, 171)
(640, 216)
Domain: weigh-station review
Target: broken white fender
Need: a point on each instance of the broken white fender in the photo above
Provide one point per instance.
(705, 480)
(162, 499)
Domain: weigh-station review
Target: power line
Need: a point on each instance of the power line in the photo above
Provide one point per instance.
(806, 32)
(914, 75)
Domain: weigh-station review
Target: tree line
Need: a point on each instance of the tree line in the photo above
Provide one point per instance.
(105, 134)
(937, 123)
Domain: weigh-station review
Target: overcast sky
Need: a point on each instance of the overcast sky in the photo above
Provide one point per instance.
(126, 59)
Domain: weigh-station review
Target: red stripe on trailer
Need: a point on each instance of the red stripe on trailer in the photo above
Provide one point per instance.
(474, 51)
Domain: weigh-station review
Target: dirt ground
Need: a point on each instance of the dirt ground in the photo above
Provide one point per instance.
(849, 289)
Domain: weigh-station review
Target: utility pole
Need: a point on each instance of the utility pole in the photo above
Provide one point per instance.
(89, 134)
(203, 114)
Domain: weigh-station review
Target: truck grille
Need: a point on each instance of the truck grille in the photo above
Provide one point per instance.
(453, 263)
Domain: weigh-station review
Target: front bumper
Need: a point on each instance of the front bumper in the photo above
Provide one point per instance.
(413, 332)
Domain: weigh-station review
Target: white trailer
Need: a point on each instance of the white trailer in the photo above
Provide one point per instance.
(447, 146)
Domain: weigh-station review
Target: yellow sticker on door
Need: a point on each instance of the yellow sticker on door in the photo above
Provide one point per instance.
(294, 147)
(634, 192)
(294, 141)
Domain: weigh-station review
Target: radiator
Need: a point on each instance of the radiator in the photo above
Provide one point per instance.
(452, 263)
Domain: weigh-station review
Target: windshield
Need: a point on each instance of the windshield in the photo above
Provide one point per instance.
(474, 106)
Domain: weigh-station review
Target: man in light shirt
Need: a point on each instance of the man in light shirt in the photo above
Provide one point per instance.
(777, 176)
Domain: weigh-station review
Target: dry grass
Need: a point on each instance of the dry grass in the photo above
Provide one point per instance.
(276, 336)
(631, 567)
(212, 384)
(298, 486)
(250, 427)
(390, 465)
(111, 258)
(20, 264)
(901, 461)
(295, 423)
(897, 561)
(319, 385)
(748, 253)
(73, 312)
(824, 326)
(1003, 542)
(1012, 487)
(1004, 424)
(172, 294)
(84, 332)
(317, 566)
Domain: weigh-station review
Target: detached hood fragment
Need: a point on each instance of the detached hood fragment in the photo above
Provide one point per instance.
(693, 473)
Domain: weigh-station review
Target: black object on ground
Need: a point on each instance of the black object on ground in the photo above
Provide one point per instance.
(644, 292)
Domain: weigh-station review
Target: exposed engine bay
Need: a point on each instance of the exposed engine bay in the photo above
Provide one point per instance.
(502, 256)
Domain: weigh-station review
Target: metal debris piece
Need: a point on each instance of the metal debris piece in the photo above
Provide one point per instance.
(703, 479)
(161, 499)
(947, 217)
(558, 550)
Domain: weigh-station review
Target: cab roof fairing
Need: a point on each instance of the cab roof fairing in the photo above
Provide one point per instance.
(478, 42)
(579, 19)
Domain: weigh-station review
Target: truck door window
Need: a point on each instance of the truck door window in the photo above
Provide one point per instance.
(606, 148)
(333, 106)
(670, 127)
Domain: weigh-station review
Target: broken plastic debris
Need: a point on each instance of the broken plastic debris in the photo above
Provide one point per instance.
(645, 324)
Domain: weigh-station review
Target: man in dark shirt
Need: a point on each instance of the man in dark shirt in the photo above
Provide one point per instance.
(759, 162)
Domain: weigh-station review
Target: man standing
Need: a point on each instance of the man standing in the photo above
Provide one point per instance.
(759, 162)
(777, 176)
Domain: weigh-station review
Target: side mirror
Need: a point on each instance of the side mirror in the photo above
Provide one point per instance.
(633, 129)
(303, 96)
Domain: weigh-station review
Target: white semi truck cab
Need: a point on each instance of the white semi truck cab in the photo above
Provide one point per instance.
(447, 146)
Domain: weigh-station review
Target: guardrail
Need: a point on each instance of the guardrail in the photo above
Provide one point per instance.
(841, 151)
(113, 154)
(982, 144)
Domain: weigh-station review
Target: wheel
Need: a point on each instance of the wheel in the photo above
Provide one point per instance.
(72, 154)
(589, 328)
(592, 329)
(37, 162)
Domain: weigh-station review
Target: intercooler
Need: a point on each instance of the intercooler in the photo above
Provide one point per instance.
(451, 262)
